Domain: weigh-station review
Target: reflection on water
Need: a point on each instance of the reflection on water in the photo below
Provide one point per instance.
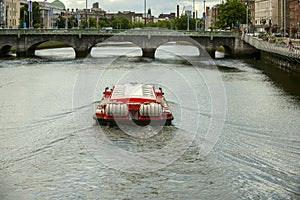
(285, 80)
(43, 155)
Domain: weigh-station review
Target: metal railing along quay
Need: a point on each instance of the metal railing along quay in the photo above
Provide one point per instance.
(280, 48)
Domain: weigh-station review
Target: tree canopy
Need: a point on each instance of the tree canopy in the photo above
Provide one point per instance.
(120, 23)
(231, 13)
(181, 23)
(36, 15)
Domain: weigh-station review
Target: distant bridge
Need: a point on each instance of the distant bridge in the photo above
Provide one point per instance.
(26, 41)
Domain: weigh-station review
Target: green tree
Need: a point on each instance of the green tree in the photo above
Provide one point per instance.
(61, 22)
(36, 15)
(72, 22)
(92, 22)
(120, 23)
(231, 12)
(165, 24)
(138, 25)
(83, 24)
(102, 23)
(23, 17)
(152, 24)
(182, 23)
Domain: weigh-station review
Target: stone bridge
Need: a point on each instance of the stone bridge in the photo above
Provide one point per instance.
(25, 42)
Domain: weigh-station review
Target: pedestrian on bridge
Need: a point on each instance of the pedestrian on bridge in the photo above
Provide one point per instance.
(291, 46)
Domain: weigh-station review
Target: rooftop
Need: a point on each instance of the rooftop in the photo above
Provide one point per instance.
(59, 3)
(133, 91)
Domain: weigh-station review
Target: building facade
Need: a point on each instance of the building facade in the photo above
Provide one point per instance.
(9, 13)
(170, 16)
(131, 16)
(211, 16)
(2, 14)
(50, 12)
(293, 16)
(268, 12)
(280, 15)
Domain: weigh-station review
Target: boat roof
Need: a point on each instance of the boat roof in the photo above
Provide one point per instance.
(133, 90)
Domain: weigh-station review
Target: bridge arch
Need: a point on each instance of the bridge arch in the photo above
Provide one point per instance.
(31, 50)
(228, 50)
(5, 50)
(225, 49)
(149, 43)
(186, 48)
(124, 48)
(183, 40)
(82, 45)
(186, 40)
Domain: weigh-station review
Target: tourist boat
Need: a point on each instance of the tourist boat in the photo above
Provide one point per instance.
(140, 103)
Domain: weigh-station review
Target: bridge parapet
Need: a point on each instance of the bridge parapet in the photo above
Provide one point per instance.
(117, 32)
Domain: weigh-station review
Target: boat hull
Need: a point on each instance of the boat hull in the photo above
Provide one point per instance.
(141, 105)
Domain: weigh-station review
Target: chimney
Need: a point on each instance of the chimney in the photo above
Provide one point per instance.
(177, 11)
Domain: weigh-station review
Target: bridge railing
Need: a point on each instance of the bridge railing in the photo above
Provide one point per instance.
(58, 31)
(20, 32)
(182, 33)
(212, 33)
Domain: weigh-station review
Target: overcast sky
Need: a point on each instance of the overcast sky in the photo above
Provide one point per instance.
(157, 6)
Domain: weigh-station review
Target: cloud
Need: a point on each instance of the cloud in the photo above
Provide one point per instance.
(80, 4)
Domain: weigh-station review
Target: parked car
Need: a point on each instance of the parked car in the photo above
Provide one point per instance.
(280, 34)
(107, 29)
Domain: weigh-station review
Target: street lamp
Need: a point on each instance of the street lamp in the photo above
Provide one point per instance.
(284, 18)
(247, 16)
(193, 9)
(29, 13)
(204, 16)
(145, 14)
(298, 19)
(24, 20)
(1, 13)
(188, 13)
(86, 14)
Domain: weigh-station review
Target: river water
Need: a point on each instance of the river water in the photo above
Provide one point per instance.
(235, 134)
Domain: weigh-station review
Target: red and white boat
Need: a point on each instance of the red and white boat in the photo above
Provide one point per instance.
(140, 103)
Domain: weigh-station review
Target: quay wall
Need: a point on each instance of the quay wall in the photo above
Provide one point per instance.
(286, 63)
(279, 55)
